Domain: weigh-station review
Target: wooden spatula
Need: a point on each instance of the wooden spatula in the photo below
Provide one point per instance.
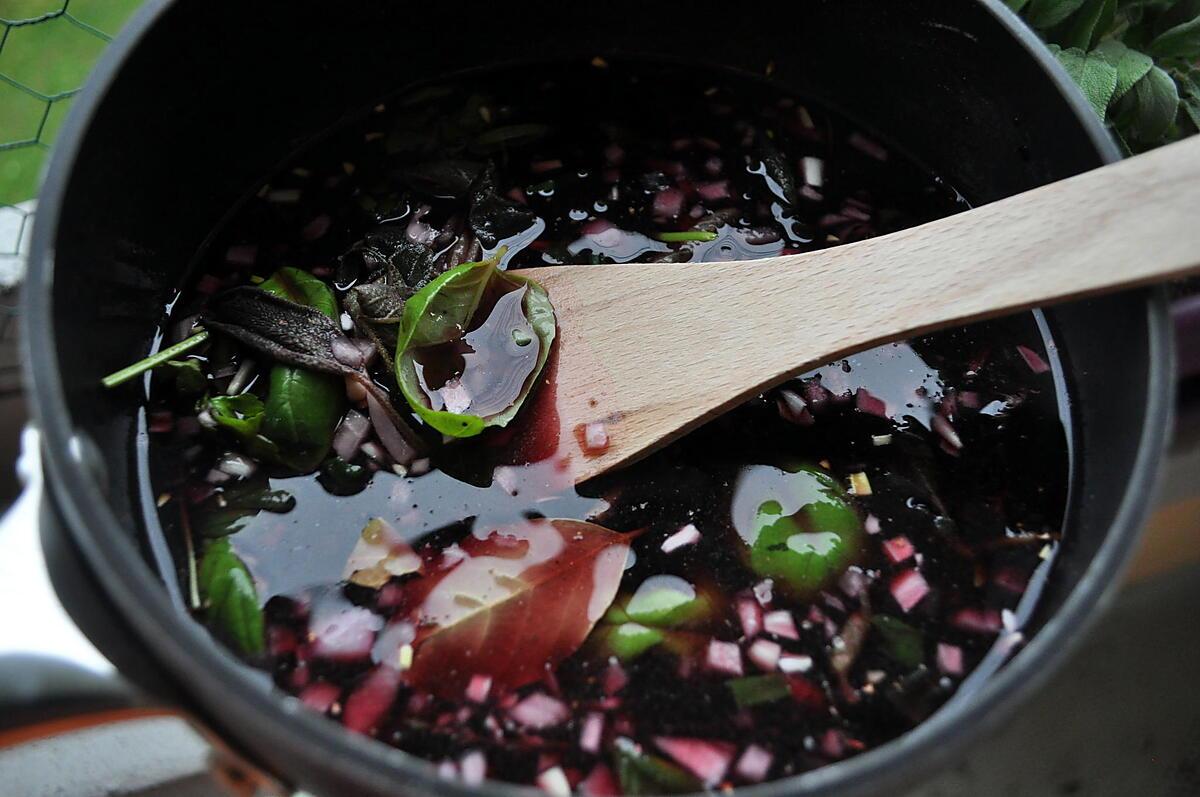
(650, 351)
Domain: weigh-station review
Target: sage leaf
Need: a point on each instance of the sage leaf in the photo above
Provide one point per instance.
(1016, 5)
(1092, 21)
(1157, 105)
(1181, 41)
(1048, 13)
(443, 313)
(1131, 65)
(1094, 75)
(231, 598)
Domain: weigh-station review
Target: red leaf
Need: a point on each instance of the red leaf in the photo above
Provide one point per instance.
(524, 598)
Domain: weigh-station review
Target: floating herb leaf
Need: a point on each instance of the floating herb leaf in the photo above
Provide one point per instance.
(905, 644)
(641, 773)
(154, 360)
(756, 690)
(189, 377)
(489, 365)
(231, 598)
(242, 414)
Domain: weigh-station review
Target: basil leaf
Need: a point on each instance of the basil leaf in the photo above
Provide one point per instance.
(905, 644)
(640, 773)
(1181, 41)
(242, 415)
(235, 507)
(303, 407)
(1048, 13)
(1094, 75)
(1131, 65)
(796, 523)
(441, 312)
(231, 597)
(1092, 22)
(1157, 105)
(343, 478)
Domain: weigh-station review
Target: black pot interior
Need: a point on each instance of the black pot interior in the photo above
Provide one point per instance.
(217, 94)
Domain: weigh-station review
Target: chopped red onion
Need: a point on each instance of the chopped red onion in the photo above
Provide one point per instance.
(816, 396)
(977, 621)
(614, 679)
(208, 285)
(750, 614)
(868, 402)
(374, 451)
(479, 688)
(388, 434)
(765, 654)
(696, 212)
(867, 147)
(368, 703)
(237, 465)
(614, 154)
(794, 663)
(969, 399)
(447, 770)
(945, 430)
(160, 422)
(592, 732)
(668, 203)
(316, 228)
(793, 409)
(714, 191)
(351, 433)
(898, 549)
(347, 635)
(420, 467)
(320, 696)
(688, 535)
(707, 760)
(345, 352)
(539, 710)
(833, 743)
(713, 166)
(473, 767)
(600, 783)
(242, 254)
(830, 220)
(814, 171)
(418, 231)
(723, 657)
(517, 195)
(1011, 580)
(950, 659)
(854, 582)
(855, 214)
(871, 525)
(554, 782)
(909, 588)
(754, 764)
(763, 592)
(1033, 360)
(541, 167)
(810, 193)
(455, 396)
(781, 624)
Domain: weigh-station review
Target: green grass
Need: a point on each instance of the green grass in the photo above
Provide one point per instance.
(47, 49)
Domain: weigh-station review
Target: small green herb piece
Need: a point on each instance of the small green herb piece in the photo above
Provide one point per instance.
(905, 644)
(154, 360)
(688, 235)
(666, 601)
(242, 415)
(189, 377)
(627, 641)
(441, 312)
(640, 773)
(231, 597)
(755, 690)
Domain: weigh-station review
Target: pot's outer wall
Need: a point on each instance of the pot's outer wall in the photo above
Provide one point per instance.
(218, 92)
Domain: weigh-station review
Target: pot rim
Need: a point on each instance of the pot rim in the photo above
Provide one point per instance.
(216, 678)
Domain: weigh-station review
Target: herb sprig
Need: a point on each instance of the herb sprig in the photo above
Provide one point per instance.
(1137, 62)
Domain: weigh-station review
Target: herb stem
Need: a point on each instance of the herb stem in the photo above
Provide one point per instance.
(689, 235)
(190, 549)
(154, 360)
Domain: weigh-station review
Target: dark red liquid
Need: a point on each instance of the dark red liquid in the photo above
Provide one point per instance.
(953, 444)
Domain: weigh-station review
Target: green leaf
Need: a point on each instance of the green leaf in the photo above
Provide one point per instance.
(235, 507)
(627, 641)
(797, 525)
(640, 773)
(443, 314)
(242, 415)
(231, 598)
(1092, 22)
(1131, 65)
(1016, 5)
(1094, 75)
(666, 601)
(188, 375)
(303, 407)
(1181, 41)
(1157, 105)
(1048, 13)
(340, 477)
(755, 690)
(905, 644)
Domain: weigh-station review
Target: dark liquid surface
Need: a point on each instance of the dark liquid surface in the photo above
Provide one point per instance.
(948, 451)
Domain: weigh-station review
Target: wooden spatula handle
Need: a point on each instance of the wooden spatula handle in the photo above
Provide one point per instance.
(654, 350)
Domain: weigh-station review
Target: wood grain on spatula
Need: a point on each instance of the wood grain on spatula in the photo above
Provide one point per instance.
(654, 350)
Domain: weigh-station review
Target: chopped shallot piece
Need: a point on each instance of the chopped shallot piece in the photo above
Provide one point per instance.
(590, 735)
(751, 616)
(950, 659)
(714, 191)
(945, 430)
(793, 408)
(320, 696)
(898, 549)
(1033, 360)
(479, 688)
(871, 525)
(600, 783)
(765, 654)
(668, 203)
(781, 624)
(615, 678)
(763, 592)
(977, 621)
(593, 438)
(554, 781)
(345, 636)
(539, 710)
(791, 664)
(371, 700)
(868, 402)
(723, 657)
(705, 759)
(688, 535)
(754, 764)
(909, 588)
(833, 743)
(472, 768)
(814, 171)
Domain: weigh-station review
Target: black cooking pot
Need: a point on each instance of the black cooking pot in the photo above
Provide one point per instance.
(197, 102)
